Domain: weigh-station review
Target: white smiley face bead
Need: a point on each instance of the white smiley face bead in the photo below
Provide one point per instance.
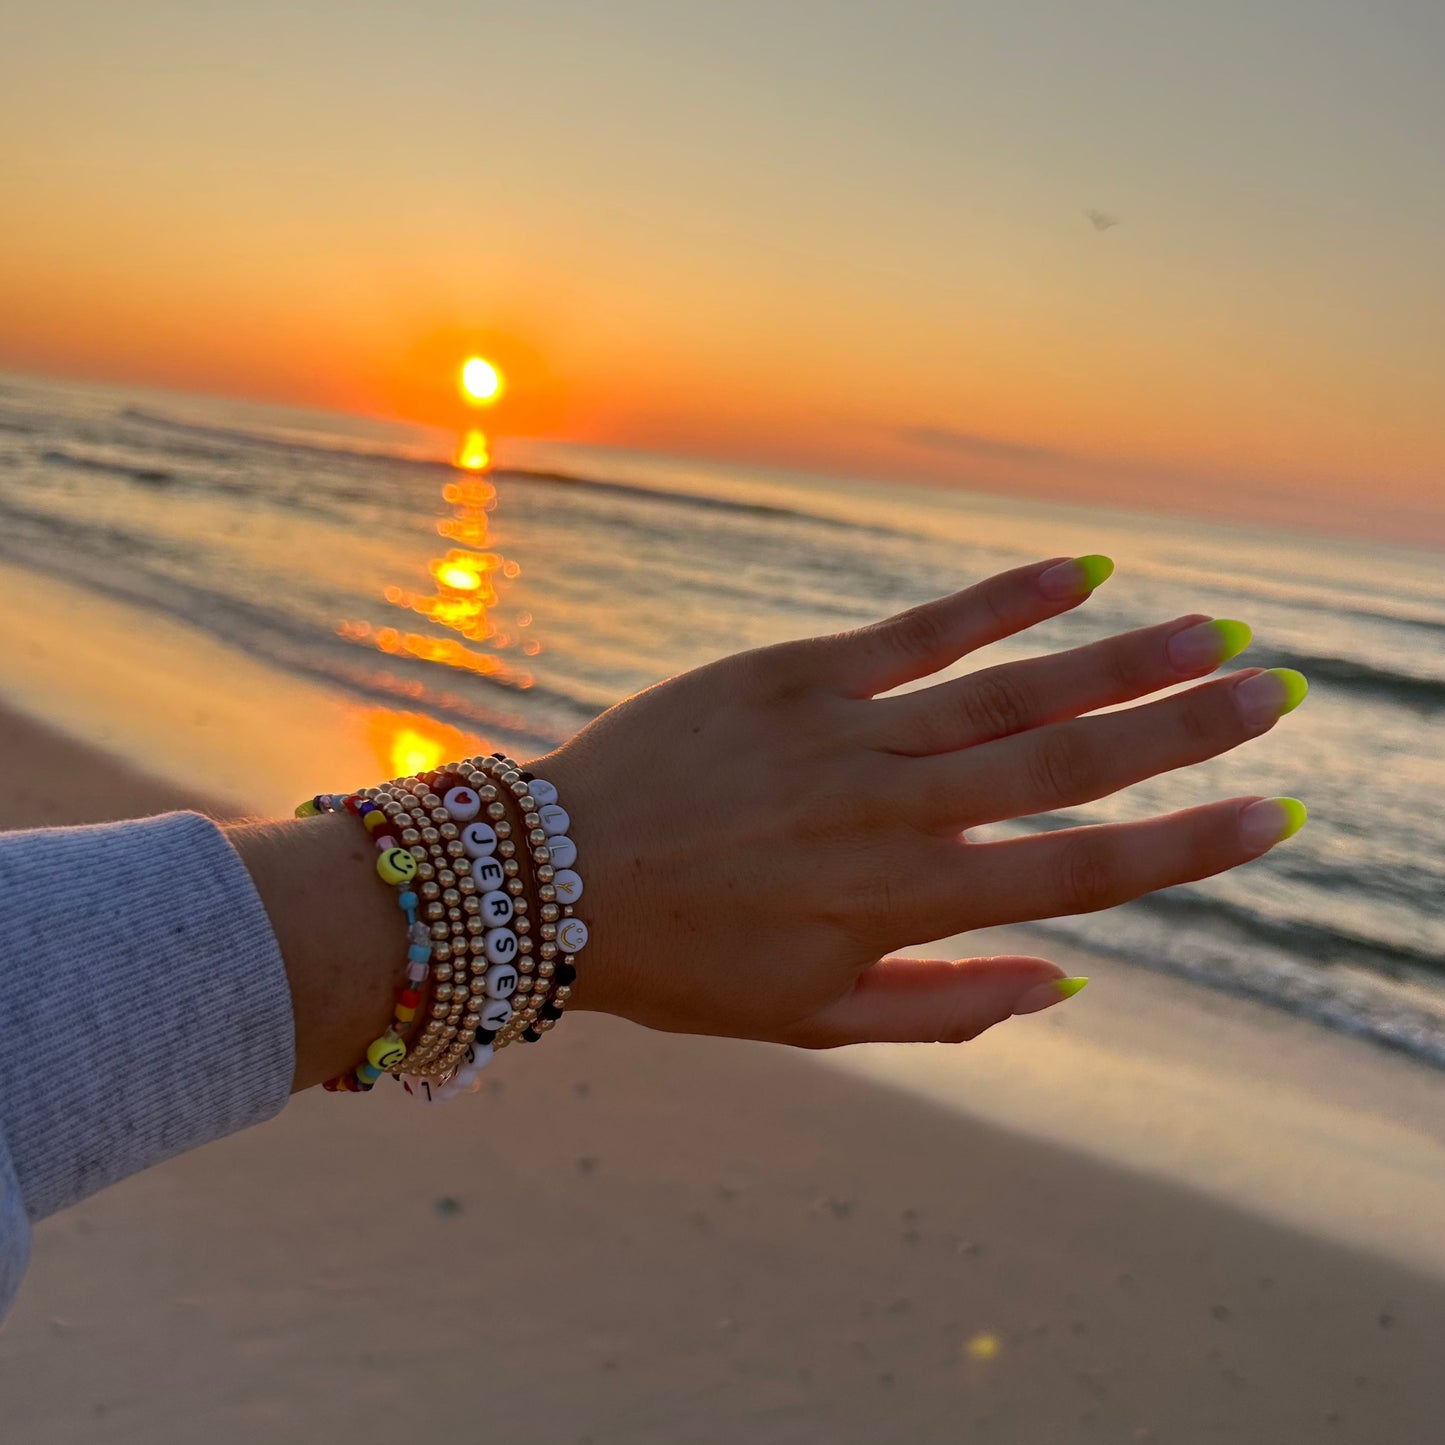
(542, 791)
(463, 804)
(396, 865)
(487, 874)
(563, 851)
(501, 980)
(499, 945)
(479, 839)
(496, 1013)
(568, 885)
(496, 908)
(571, 935)
(554, 819)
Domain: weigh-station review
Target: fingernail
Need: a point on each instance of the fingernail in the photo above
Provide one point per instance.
(1207, 644)
(1267, 696)
(1046, 995)
(1271, 821)
(1075, 578)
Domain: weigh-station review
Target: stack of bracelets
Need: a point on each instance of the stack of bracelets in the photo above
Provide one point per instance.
(490, 926)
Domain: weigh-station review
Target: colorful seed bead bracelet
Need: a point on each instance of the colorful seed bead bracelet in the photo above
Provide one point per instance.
(397, 866)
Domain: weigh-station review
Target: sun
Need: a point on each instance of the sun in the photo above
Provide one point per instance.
(481, 381)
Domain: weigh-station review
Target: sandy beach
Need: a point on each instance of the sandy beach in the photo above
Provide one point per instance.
(635, 1237)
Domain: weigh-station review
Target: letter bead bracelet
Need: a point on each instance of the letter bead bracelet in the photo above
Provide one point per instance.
(491, 928)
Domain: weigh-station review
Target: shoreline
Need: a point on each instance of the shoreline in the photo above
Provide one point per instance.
(724, 1241)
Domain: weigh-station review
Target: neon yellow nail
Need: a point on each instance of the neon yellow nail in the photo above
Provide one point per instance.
(1296, 685)
(1068, 987)
(1096, 569)
(1234, 637)
(1296, 814)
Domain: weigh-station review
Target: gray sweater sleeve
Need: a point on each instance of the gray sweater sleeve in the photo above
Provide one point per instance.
(147, 1010)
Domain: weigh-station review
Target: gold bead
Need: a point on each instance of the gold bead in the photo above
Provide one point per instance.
(439, 930)
(467, 883)
(506, 849)
(475, 925)
(439, 1010)
(503, 830)
(511, 867)
(425, 872)
(524, 984)
(515, 886)
(433, 911)
(546, 968)
(549, 932)
(521, 926)
(451, 897)
(442, 972)
(471, 903)
(430, 891)
(430, 836)
(454, 913)
(448, 829)
(549, 950)
(532, 820)
(456, 849)
(550, 912)
(409, 836)
(546, 873)
(536, 837)
(496, 810)
(430, 800)
(488, 793)
(446, 878)
(563, 993)
(520, 791)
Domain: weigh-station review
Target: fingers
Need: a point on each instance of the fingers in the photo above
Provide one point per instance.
(931, 1000)
(1081, 870)
(918, 642)
(1066, 763)
(1016, 696)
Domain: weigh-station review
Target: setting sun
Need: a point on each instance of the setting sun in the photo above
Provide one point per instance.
(481, 381)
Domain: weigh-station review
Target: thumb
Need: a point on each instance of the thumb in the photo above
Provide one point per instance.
(935, 1000)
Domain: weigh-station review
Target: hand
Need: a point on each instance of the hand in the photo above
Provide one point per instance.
(755, 835)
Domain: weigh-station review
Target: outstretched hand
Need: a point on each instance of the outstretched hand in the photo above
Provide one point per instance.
(760, 832)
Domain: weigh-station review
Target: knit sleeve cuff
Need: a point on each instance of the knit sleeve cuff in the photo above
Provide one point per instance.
(148, 1004)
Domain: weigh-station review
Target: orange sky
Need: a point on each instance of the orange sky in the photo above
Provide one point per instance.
(859, 244)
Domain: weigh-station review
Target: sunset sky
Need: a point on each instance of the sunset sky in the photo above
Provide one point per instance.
(840, 235)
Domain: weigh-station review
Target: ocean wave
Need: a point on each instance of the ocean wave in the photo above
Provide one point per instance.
(149, 476)
(1426, 693)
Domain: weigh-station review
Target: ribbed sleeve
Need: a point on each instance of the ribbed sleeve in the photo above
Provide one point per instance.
(147, 1009)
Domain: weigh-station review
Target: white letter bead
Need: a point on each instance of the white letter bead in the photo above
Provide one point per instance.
(542, 791)
(487, 874)
(571, 935)
(554, 819)
(568, 885)
(499, 945)
(501, 980)
(479, 839)
(463, 804)
(496, 908)
(496, 1013)
(563, 851)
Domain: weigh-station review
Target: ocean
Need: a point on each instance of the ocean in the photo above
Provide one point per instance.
(517, 605)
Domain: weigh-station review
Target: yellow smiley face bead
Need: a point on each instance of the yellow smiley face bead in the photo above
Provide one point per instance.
(386, 1053)
(396, 865)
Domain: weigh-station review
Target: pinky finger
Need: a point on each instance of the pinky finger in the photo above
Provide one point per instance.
(934, 1000)
(1081, 870)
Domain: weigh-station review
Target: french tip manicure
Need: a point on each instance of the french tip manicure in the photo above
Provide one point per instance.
(1235, 636)
(1296, 685)
(1046, 995)
(1075, 579)
(1271, 821)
